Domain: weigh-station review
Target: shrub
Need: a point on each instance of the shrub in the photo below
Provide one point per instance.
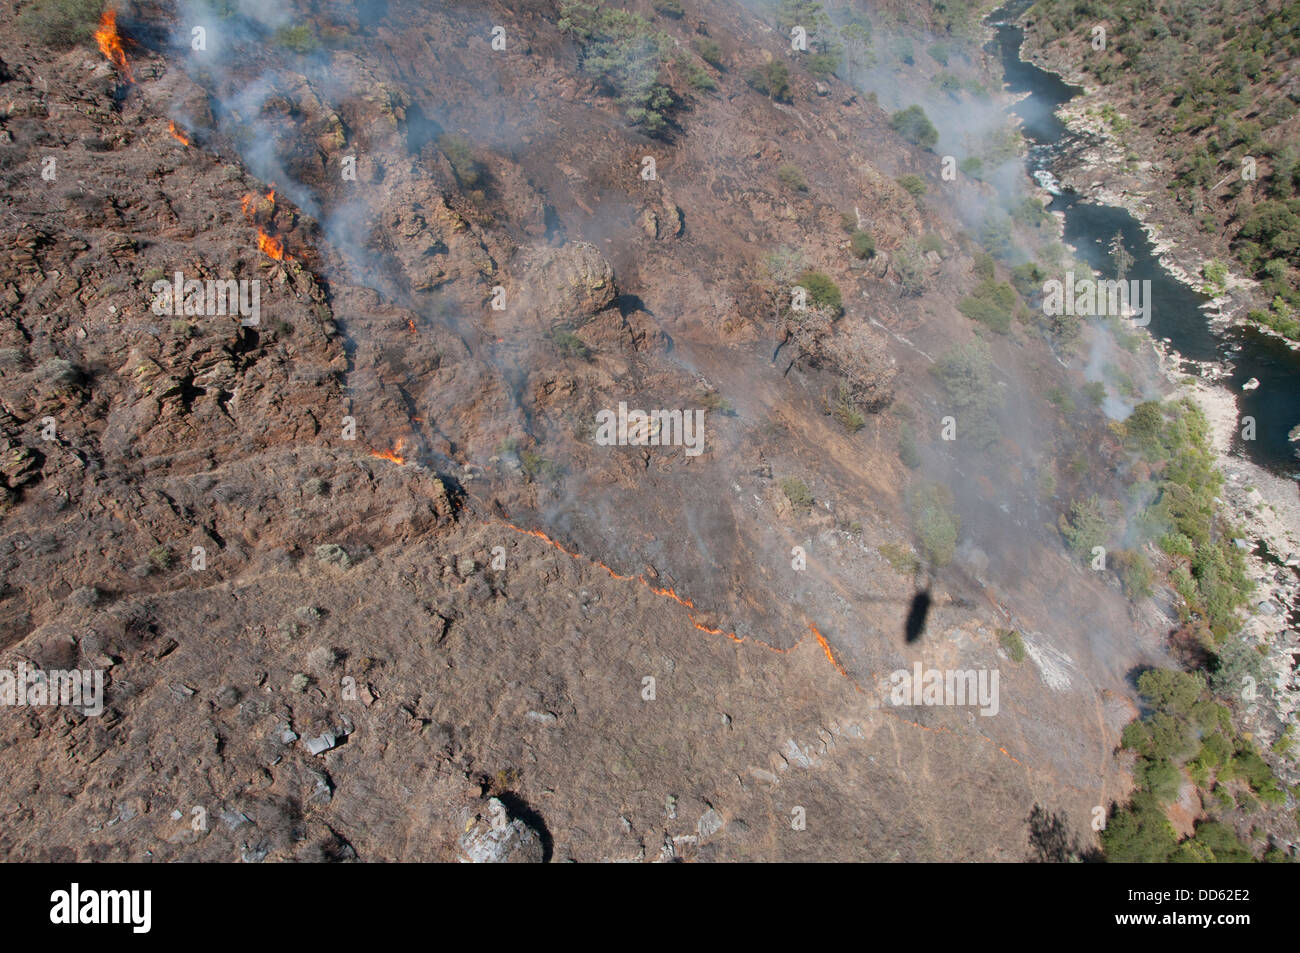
(1220, 844)
(843, 410)
(570, 344)
(930, 242)
(863, 245)
(991, 305)
(670, 8)
(824, 64)
(1028, 279)
(913, 184)
(1029, 212)
(995, 235)
(966, 375)
(797, 492)
(791, 178)
(162, 557)
(1216, 277)
(1140, 833)
(849, 417)
(709, 50)
(58, 372)
(61, 23)
(1161, 778)
(1170, 690)
(1134, 573)
(333, 554)
(1012, 644)
(1233, 663)
(534, 464)
(900, 558)
(696, 75)
(935, 523)
(907, 449)
(984, 266)
(715, 402)
(911, 268)
(914, 125)
(1062, 399)
(1254, 770)
(1086, 527)
(461, 156)
(772, 79)
(822, 291)
(299, 39)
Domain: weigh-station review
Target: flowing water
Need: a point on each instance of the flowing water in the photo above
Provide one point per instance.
(1176, 310)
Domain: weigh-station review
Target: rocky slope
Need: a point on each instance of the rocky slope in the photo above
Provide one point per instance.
(472, 600)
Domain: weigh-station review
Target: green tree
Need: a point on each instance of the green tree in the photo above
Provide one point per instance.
(914, 125)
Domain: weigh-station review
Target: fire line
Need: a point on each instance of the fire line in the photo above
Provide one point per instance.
(689, 606)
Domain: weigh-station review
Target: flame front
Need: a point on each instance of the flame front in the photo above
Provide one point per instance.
(691, 611)
(269, 245)
(110, 44)
(396, 455)
(178, 134)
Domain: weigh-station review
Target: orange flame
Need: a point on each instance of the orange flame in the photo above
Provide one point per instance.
(110, 44)
(270, 245)
(395, 455)
(689, 606)
(410, 326)
(177, 134)
(826, 647)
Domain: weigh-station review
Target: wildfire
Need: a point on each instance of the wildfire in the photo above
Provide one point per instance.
(178, 134)
(110, 44)
(268, 243)
(826, 647)
(410, 325)
(665, 592)
(689, 606)
(395, 455)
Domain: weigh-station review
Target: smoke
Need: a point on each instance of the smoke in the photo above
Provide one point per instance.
(473, 380)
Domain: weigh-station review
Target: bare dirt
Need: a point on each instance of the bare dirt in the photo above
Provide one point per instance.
(349, 588)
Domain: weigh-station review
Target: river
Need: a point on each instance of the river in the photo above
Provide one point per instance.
(1176, 312)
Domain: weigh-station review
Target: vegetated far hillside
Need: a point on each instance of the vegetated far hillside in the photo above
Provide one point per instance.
(1206, 86)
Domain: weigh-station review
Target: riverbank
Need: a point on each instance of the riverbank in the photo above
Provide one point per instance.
(1106, 161)
(1104, 170)
(1267, 510)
